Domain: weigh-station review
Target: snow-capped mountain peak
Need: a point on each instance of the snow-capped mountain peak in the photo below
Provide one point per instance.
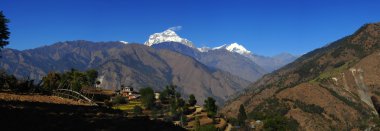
(235, 47)
(167, 36)
(220, 47)
(124, 42)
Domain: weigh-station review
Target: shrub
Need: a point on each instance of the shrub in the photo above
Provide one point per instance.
(310, 108)
(272, 111)
(280, 123)
(119, 100)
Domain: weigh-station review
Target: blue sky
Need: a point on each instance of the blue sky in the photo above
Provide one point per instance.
(265, 27)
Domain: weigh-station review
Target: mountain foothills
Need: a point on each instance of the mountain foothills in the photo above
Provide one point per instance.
(335, 87)
(165, 59)
(133, 65)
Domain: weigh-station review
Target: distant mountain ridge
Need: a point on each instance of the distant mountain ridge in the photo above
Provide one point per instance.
(233, 58)
(164, 59)
(219, 59)
(135, 65)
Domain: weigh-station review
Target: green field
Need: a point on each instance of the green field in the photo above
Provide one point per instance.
(127, 107)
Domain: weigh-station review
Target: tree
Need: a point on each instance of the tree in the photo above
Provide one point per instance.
(210, 107)
(164, 96)
(119, 100)
(91, 76)
(51, 81)
(147, 97)
(78, 79)
(181, 103)
(242, 116)
(4, 33)
(168, 94)
(3, 76)
(173, 107)
(192, 100)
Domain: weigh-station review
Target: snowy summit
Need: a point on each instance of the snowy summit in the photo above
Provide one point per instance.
(124, 42)
(234, 47)
(167, 36)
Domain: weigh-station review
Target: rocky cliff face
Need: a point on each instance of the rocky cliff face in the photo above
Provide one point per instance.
(329, 88)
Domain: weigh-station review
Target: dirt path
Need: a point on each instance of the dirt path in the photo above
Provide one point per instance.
(229, 127)
(197, 109)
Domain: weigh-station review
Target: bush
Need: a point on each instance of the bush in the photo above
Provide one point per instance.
(272, 112)
(119, 100)
(309, 108)
(280, 123)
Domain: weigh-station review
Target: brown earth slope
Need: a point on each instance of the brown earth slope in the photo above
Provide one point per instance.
(335, 87)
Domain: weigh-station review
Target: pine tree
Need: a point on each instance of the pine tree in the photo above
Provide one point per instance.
(242, 116)
(147, 97)
(210, 107)
(4, 33)
(192, 100)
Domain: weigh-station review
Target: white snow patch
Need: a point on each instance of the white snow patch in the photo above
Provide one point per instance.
(167, 36)
(124, 42)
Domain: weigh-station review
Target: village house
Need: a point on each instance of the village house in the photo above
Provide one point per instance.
(157, 95)
(129, 92)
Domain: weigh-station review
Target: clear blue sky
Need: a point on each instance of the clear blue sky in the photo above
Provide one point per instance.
(266, 27)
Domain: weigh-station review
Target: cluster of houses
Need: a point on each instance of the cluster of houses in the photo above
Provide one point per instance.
(131, 94)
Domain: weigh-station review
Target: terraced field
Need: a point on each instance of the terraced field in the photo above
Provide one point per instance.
(129, 106)
(45, 113)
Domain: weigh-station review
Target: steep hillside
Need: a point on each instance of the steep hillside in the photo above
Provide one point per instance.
(35, 63)
(331, 88)
(132, 64)
(140, 66)
(231, 62)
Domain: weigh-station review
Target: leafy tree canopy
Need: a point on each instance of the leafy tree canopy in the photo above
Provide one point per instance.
(210, 106)
(147, 97)
(192, 100)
